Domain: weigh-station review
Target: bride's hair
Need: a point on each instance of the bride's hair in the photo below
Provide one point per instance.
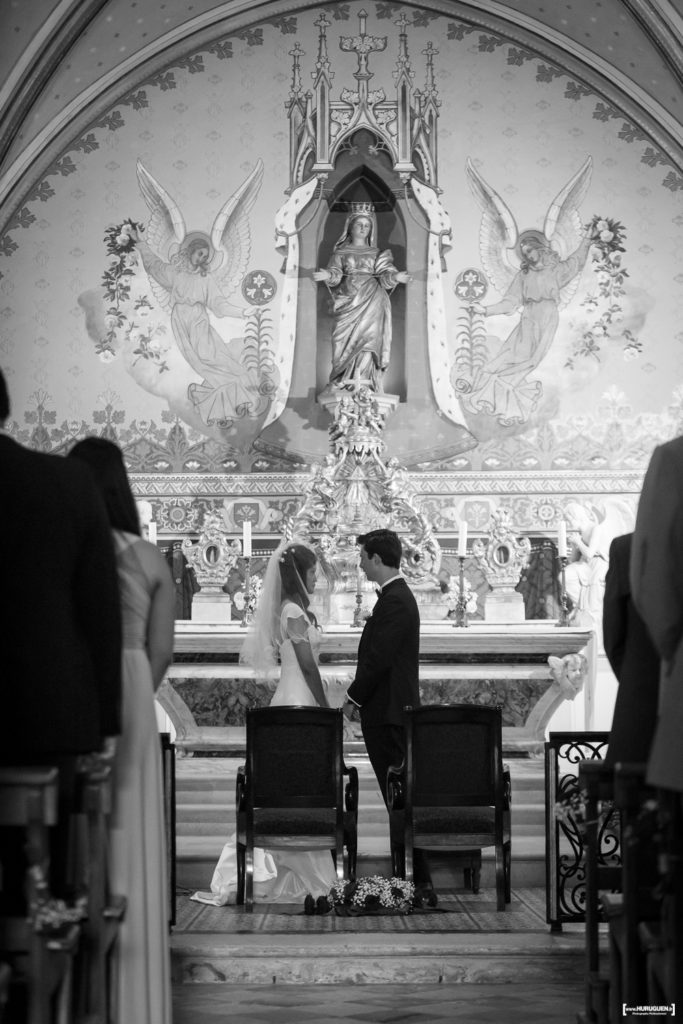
(284, 581)
(295, 561)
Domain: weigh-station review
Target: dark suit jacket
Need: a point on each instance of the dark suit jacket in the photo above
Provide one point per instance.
(657, 587)
(634, 661)
(60, 609)
(387, 673)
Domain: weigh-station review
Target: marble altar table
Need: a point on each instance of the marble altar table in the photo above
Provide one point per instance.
(207, 692)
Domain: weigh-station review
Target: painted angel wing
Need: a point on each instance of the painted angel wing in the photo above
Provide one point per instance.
(165, 229)
(497, 234)
(230, 234)
(563, 226)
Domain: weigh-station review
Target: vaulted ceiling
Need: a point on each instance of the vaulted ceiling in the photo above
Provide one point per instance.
(67, 59)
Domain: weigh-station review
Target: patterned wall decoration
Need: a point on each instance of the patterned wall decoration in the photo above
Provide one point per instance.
(88, 346)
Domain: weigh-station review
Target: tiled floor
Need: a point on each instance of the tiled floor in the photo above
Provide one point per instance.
(376, 1004)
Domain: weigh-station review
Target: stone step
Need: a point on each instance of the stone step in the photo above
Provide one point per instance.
(353, 959)
(362, 959)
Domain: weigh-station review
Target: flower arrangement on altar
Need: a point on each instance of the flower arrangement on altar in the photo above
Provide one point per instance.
(457, 602)
(255, 588)
(371, 895)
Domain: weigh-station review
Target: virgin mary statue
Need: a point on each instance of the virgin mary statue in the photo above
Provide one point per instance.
(360, 279)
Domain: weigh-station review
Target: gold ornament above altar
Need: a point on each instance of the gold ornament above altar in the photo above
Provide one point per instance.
(212, 557)
(502, 556)
(356, 489)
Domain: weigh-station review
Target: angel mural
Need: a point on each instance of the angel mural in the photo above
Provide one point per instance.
(210, 359)
(538, 274)
(191, 275)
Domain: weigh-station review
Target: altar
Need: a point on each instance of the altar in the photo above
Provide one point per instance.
(207, 693)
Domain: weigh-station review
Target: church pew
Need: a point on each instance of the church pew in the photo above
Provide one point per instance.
(637, 900)
(41, 944)
(596, 780)
(662, 939)
(99, 951)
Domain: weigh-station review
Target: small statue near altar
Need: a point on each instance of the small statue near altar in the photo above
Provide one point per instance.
(360, 279)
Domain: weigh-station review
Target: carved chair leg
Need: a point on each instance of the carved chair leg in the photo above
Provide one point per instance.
(249, 870)
(408, 870)
(500, 878)
(398, 862)
(239, 898)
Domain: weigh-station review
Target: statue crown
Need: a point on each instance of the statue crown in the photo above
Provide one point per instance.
(358, 208)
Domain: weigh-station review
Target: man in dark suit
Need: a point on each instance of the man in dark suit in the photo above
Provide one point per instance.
(657, 588)
(634, 661)
(387, 672)
(60, 612)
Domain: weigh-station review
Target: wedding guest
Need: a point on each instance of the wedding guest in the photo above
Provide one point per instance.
(657, 587)
(137, 837)
(634, 661)
(387, 671)
(61, 622)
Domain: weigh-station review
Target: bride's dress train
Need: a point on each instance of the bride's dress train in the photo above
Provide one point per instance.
(280, 876)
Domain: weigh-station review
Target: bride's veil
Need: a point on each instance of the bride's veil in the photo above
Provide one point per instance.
(261, 645)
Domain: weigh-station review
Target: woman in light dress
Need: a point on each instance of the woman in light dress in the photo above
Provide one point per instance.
(286, 627)
(137, 851)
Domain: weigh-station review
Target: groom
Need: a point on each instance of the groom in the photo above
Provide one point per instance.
(387, 672)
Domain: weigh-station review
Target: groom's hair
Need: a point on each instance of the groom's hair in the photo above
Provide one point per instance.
(384, 543)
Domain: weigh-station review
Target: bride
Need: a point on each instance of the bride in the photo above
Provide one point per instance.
(284, 626)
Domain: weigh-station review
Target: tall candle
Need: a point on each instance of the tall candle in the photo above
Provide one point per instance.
(246, 538)
(462, 540)
(562, 539)
(152, 533)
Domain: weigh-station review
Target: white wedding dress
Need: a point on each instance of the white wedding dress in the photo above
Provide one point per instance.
(282, 876)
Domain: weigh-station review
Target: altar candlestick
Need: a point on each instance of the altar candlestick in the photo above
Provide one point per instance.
(152, 533)
(562, 539)
(246, 538)
(462, 540)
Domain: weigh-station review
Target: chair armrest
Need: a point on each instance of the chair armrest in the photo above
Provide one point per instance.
(351, 789)
(396, 787)
(507, 788)
(241, 788)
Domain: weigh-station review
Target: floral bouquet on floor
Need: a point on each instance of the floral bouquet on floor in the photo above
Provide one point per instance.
(372, 895)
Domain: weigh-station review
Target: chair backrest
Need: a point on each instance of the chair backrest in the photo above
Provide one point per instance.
(454, 755)
(294, 757)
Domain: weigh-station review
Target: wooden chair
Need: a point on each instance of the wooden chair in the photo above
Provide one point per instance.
(291, 794)
(169, 792)
(5, 980)
(99, 948)
(42, 960)
(596, 781)
(638, 899)
(452, 792)
(662, 939)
